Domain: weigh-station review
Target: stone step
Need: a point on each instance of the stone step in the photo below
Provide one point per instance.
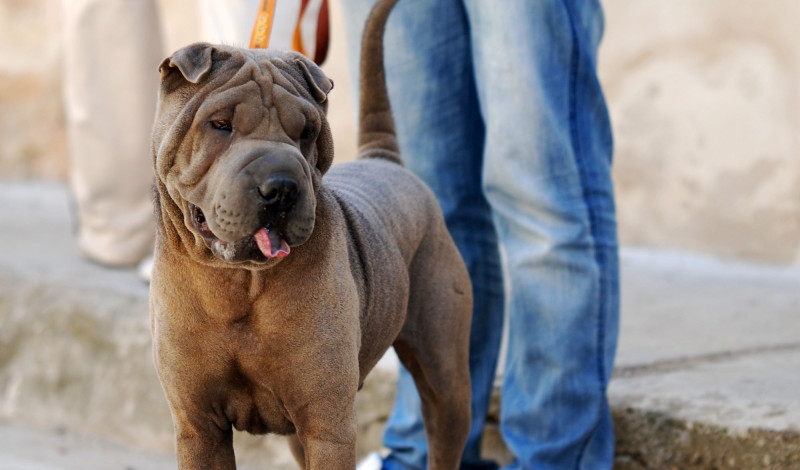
(707, 372)
(27, 448)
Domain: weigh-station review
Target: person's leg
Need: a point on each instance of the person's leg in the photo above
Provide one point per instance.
(429, 71)
(112, 52)
(547, 179)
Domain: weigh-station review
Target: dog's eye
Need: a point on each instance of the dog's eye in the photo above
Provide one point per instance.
(222, 124)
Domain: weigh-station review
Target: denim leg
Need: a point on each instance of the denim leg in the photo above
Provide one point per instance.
(441, 134)
(547, 178)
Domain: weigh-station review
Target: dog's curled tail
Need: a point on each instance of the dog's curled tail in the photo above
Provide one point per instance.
(376, 133)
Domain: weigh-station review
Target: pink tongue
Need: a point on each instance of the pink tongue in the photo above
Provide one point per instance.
(271, 244)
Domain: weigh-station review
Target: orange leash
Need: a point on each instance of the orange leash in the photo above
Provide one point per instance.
(323, 34)
(297, 39)
(263, 27)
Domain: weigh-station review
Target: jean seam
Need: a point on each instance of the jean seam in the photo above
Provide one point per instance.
(593, 223)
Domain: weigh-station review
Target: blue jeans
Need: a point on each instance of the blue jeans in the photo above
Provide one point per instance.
(498, 108)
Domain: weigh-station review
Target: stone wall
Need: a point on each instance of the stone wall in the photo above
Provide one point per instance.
(32, 136)
(705, 102)
(704, 98)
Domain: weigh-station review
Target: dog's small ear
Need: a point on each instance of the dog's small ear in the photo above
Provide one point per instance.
(193, 61)
(319, 84)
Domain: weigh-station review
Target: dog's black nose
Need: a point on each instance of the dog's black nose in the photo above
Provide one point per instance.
(279, 192)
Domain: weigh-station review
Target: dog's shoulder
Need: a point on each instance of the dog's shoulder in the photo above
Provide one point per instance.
(382, 186)
(383, 202)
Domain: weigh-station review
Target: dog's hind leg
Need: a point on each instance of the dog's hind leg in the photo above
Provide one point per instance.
(444, 392)
(434, 347)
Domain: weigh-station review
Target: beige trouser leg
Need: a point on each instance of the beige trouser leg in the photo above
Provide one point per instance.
(112, 52)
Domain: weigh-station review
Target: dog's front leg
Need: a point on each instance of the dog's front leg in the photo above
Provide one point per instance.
(327, 444)
(328, 452)
(204, 447)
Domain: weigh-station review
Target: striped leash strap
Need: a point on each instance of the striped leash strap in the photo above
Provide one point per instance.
(263, 27)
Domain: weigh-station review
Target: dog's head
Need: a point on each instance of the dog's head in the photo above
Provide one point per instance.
(241, 142)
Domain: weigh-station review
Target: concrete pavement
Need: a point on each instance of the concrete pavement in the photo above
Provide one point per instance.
(25, 448)
(708, 368)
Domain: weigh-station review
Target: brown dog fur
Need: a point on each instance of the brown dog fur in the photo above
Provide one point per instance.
(267, 344)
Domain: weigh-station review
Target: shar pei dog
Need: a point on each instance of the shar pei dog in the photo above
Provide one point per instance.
(280, 281)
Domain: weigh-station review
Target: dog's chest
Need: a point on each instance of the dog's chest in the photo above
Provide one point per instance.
(258, 411)
(252, 385)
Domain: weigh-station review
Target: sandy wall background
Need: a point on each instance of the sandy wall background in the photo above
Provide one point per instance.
(704, 98)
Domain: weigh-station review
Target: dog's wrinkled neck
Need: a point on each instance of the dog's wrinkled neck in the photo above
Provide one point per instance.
(170, 229)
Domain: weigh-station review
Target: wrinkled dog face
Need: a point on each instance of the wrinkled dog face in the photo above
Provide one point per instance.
(241, 143)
